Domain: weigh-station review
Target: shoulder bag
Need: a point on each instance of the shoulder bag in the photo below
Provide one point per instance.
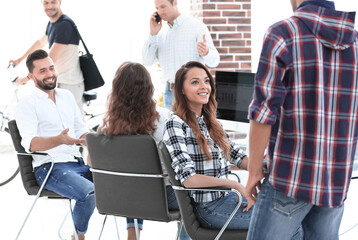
(92, 77)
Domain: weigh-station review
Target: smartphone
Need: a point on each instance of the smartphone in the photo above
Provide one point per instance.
(157, 18)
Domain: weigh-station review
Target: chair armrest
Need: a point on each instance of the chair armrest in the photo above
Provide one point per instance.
(219, 189)
(126, 174)
(237, 176)
(32, 153)
(210, 189)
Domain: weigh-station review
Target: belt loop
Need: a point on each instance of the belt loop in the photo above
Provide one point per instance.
(80, 161)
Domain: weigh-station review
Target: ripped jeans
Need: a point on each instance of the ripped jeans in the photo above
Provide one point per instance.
(72, 180)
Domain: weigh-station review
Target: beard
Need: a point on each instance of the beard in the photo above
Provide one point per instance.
(46, 86)
(52, 15)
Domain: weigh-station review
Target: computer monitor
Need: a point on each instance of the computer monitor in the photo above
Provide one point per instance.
(234, 94)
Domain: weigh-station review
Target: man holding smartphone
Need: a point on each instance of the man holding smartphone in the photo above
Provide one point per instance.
(187, 39)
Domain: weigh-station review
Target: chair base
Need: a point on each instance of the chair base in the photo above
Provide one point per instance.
(104, 223)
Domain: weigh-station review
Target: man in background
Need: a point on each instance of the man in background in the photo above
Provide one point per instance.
(63, 41)
(304, 110)
(187, 39)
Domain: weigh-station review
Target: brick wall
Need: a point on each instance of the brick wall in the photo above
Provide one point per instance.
(229, 22)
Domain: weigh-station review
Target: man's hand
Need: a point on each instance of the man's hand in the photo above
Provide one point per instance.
(66, 139)
(253, 183)
(15, 62)
(241, 189)
(203, 48)
(22, 80)
(83, 137)
(154, 26)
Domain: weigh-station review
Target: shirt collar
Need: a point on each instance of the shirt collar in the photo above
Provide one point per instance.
(41, 94)
(200, 120)
(321, 3)
(178, 21)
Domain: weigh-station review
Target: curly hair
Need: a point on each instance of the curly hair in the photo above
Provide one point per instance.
(181, 108)
(131, 108)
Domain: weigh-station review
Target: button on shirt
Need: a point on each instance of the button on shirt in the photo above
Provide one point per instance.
(188, 158)
(176, 46)
(306, 86)
(38, 116)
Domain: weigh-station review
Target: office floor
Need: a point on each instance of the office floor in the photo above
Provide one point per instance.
(48, 215)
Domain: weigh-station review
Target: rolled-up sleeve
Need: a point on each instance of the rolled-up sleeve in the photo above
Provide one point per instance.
(270, 91)
(236, 153)
(175, 140)
(212, 59)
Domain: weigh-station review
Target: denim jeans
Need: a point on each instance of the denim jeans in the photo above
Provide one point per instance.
(173, 205)
(214, 214)
(168, 96)
(277, 216)
(72, 180)
(130, 223)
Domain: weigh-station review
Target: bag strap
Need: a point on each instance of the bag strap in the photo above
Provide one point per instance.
(74, 25)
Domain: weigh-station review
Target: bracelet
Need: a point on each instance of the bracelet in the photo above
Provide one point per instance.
(238, 162)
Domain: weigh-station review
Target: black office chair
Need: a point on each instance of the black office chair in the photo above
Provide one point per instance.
(191, 224)
(128, 177)
(28, 176)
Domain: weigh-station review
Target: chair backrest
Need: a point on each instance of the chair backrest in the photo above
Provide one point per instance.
(191, 224)
(137, 197)
(25, 165)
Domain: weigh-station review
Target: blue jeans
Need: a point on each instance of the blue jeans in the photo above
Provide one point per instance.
(74, 181)
(277, 216)
(173, 206)
(130, 223)
(168, 96)
(214, 214)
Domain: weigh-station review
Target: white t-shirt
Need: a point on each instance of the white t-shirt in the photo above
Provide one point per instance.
(68, 66)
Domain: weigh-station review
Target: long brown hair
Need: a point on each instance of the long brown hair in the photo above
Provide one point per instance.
(181, 108)
(131, 108)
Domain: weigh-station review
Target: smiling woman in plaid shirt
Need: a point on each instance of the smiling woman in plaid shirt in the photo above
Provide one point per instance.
(200, 149)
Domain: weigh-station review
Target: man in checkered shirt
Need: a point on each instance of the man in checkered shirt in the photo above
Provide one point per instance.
(305, 109)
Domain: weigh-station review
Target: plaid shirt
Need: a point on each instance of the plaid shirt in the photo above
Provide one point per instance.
(307, 87)
(189, 159)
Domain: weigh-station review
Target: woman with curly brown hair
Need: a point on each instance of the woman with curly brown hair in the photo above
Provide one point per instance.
(131, 107)
(201, 151)
(132, 110)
